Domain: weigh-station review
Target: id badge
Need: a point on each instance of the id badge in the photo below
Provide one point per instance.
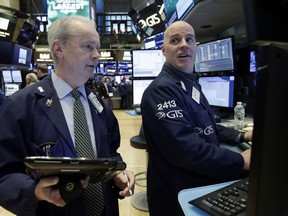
(196, 95)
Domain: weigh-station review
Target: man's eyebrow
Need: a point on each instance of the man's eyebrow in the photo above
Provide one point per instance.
(176, 35)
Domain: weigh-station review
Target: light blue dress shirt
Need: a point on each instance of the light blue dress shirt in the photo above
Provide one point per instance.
(67, 102)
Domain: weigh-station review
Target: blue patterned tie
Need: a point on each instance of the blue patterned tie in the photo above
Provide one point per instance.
(93, 195)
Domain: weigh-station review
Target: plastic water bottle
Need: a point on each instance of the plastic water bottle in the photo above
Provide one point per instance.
(239, 116)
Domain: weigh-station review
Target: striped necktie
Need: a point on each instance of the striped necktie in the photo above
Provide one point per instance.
(93, 195)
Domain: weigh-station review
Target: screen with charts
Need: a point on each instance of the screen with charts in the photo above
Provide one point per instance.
(124, 67)
(154, 42)
(147, 62)
(215, 56)
(139, 87)
(104, 67)
(219, 90)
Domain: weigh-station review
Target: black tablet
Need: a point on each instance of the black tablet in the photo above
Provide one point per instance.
(100, 169)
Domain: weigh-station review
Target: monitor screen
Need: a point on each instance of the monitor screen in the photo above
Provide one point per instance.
(124, 67)
(140, 59)
(21, 56)
(16, 76)
(7, 77)
(138, 89)
(7, 26)
(105, 67)
(215, 56)
(154, 42)
(218, 90)
(11, 88)
(176, 9)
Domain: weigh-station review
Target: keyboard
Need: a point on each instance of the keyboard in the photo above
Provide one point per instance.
(227, 201)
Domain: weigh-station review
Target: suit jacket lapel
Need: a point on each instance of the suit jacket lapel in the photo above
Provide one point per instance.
(52, 108)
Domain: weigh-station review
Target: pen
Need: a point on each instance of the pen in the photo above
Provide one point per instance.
(128, 184)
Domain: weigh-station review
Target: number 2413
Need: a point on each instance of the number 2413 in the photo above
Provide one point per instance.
(166, 104)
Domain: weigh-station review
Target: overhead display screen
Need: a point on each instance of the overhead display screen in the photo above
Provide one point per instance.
(176, 9)
(63, 8)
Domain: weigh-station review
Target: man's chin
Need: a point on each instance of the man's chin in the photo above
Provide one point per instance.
(90, 71)
(185, 68)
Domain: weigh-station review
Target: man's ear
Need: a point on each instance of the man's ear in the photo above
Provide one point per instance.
(57, 48)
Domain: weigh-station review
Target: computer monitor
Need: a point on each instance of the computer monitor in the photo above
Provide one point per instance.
(11, 88)
(176, 10)
(147, 62)
(215, 56)
(267, 193)
(16, 76)
(104, 67)
(22, 56)
(154, 41)
(7, 77)
(139, 87)
(219, 90)
(124, 67)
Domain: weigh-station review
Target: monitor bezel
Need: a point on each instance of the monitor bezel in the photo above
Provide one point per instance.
(219, 72)
(231, 92)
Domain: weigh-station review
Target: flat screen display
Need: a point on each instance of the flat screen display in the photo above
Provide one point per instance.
(21, 55)
(7, 26)
(215, 56)
(124, 67)
(59, 8)
(154, 42)
(177, 9)
(219, 90)
(105, 67)
(16, 76)
(147, 62)
(11, 88)
(7, 77)
(139, 87)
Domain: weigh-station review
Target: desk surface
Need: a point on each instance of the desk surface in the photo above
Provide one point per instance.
(231, 122)
(186, 195)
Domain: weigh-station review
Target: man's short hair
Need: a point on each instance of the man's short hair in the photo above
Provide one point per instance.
(43, 68)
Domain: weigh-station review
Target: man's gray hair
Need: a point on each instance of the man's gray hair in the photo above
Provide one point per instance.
(62, 30)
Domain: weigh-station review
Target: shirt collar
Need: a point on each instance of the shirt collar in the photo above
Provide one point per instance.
(63, 89)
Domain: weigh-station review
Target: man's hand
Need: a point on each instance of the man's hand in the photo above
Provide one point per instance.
(45, 190)
(125, 181)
